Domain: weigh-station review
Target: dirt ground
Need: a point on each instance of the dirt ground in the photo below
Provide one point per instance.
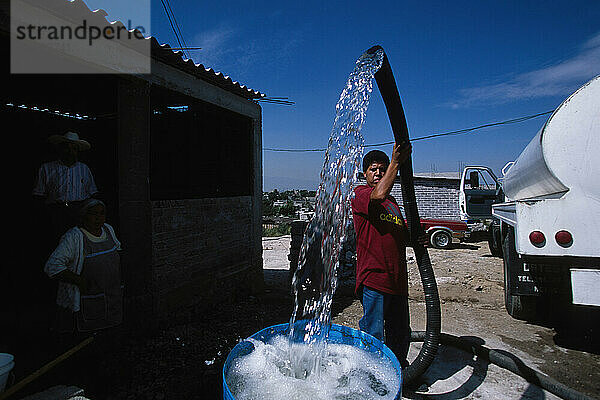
(186, 361)
(470, 284)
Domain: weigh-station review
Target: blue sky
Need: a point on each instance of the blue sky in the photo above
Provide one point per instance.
(457, 65)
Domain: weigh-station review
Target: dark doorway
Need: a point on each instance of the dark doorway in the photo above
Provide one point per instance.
(32, 108)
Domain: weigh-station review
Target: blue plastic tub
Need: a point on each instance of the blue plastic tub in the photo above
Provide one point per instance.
(338, 334)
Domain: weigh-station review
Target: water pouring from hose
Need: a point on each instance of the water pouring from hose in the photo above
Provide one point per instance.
(308, 356)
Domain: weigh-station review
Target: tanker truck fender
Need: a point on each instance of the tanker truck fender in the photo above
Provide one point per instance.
(518, 306)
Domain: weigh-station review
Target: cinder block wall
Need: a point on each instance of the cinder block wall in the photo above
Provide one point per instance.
(436, 197)
(180, 256)
(202, 248)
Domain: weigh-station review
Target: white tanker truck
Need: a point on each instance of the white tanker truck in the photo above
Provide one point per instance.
(548, 212)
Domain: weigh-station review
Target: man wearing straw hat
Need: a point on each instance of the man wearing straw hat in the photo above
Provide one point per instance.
(65, 183)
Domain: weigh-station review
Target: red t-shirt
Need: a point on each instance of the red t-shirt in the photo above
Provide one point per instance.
(380, 243)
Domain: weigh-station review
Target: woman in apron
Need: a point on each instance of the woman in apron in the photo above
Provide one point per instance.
(89, 298)
(87, 265)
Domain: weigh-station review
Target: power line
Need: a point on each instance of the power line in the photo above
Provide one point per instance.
(177, 26)
(294, 150)
(457, 132)
(173, 22)
(467, 130)
(185, 48)
(277, 100)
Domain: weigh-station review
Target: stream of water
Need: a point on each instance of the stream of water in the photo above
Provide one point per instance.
(315, 279)
(303, 365)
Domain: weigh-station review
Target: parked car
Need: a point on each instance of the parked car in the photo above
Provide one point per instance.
(441, 231)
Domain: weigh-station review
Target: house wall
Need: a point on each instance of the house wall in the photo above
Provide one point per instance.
(436, 198)
(202, 252)
(191, 252)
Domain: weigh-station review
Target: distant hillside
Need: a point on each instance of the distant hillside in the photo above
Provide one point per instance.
(286, 183)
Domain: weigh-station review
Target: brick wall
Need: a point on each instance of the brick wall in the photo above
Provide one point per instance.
(202, 253)
(182, 255)
(436, 197)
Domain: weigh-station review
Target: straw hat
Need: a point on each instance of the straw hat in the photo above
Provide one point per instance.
(70, 137)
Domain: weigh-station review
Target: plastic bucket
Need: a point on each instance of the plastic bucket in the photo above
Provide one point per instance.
(338, 334)
(6, 365)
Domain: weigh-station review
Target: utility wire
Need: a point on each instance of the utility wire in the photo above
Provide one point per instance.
(277, 100)
(177, 26)
(172, 24)
(457, 132)
(185, 48)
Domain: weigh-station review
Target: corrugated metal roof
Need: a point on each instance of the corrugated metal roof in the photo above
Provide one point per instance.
(175, 58)
(161, 52)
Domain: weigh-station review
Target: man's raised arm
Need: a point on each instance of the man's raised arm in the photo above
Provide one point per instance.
(383, 188)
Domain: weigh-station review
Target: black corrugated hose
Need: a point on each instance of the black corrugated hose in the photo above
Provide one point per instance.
(507, 361)
(389, 92)
(432, 336)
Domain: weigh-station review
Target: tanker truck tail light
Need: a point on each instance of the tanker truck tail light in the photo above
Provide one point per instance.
(537, 239)
(564, 238)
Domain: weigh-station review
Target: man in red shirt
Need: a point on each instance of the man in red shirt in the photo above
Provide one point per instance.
(381, 237)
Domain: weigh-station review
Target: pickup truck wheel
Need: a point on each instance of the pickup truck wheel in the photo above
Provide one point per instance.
(518, 307)
(440, 239)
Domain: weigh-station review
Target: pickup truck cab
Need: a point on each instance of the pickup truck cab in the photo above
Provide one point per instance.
(479, 190)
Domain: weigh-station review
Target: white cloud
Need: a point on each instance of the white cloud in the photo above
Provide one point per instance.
(558, 79)
(215, 44)
(216, 38)
(232, 51)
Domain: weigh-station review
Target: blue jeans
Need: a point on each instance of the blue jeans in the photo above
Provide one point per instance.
(386, 317)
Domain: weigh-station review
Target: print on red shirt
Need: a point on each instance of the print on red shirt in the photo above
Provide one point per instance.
(380, 243)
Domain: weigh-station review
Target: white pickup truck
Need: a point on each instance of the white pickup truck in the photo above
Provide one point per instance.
(548, 212)
(479, 189)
